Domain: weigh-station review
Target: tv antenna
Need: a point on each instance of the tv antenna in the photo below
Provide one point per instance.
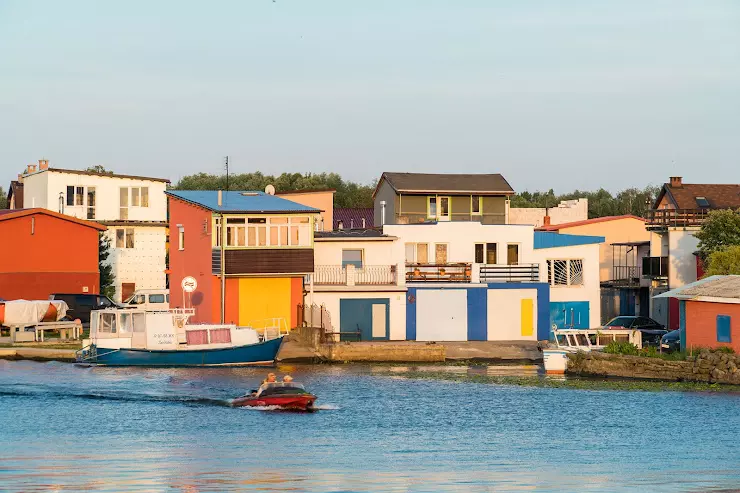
(226, 159)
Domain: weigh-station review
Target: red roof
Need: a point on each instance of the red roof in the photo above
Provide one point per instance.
(557, 227)
(8, 214)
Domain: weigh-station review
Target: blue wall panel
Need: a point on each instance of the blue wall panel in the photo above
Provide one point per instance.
(477, 314)
(570, 314)
(682, 323)
(411, 314)
(357, 315)
(543, 303)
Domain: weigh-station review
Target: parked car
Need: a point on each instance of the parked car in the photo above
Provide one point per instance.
(671, 341)
(80, 305)
(651, 330)
(149, 299)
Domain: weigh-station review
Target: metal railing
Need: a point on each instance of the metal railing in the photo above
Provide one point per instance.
(368, 275)
(421, 217)
(667, 218)
(655, 267)
(329, 275)
(459, 272)
(626, 272)
(510, 273)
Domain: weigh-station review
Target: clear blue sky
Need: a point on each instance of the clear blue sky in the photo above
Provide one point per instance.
(568, 94)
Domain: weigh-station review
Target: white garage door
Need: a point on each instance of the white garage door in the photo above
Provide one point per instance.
(442, 315)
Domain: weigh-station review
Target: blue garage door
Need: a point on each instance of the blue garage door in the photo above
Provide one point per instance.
(366, 320)
(569, 314)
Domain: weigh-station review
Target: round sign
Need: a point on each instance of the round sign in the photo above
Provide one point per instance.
(189, 284)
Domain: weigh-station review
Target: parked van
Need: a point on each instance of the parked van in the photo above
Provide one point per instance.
(150, 299)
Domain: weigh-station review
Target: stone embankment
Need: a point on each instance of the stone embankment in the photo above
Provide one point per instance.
(37, 354)
(705, 366)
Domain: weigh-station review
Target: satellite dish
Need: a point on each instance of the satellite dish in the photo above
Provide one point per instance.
(270, 190)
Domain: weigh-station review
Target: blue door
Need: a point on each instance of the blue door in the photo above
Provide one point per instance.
(569, 314)
(364, 320)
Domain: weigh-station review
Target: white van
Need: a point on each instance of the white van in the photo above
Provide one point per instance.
(151, 300)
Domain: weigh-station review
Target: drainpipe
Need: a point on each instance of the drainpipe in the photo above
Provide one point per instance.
(223, 264)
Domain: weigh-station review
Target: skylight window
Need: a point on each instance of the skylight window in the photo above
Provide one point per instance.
(702, 202)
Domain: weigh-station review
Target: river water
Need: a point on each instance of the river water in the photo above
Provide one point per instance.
(380, 428)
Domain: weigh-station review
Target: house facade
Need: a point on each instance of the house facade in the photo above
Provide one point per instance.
(49, 253)
(678, 213)
(260, 257)
(412, 198)
(133, 208)
(323, 200)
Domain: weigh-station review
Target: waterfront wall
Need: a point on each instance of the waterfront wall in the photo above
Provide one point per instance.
(706, 366)
(383, 352)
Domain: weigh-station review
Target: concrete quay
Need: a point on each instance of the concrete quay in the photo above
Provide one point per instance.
(37, 354)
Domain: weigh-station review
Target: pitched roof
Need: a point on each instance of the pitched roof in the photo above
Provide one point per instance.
(8, 214)
(482, 184)
(557, 227)
(718, 196)
(16, 190)
(92, 173)
(546, 239)
(727, 287)
(351, 217)
(240, 202)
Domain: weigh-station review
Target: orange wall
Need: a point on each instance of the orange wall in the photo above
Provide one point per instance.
(39, 285)
(56, 245)
(701, 324)
(323, 201)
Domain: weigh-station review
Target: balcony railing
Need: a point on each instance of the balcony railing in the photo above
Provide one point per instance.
(421, 217)
(510, 273)
(654, 267)
(374, 275)
(675, 218)
(459, 272)
(329, 275)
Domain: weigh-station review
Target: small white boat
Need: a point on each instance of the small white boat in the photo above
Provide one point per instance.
(586, 340)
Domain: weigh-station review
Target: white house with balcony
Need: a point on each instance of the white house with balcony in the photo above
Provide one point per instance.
(134, 208)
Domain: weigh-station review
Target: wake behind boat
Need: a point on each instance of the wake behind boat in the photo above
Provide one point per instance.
(163, 338)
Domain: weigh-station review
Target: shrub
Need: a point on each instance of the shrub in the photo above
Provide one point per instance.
(616, 347)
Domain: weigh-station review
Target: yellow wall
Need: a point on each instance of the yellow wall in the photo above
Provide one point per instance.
(262, 298)
(615, 231)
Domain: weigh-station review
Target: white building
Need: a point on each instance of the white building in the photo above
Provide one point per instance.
(133, 207)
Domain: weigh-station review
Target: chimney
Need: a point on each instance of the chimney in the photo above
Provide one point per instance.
(220, 198)
(382, 212)
(31, 168)
(676, 182)
(546, 221)
(43, 164)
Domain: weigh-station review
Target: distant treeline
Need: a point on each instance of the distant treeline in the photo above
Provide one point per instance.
(350, 194)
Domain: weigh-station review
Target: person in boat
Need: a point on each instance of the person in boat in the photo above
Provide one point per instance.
(287, 379)
(271, 378)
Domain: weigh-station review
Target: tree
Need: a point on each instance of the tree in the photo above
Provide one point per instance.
(720, 229)
(100, 169)
(725, 261)
(107, 278)
(3, 199)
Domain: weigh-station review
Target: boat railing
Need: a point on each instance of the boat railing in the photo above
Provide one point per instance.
(181, 315)
(270, 328)
(595, 338)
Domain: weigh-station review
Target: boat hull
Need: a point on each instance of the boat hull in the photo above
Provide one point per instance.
(302, 402)
(261, 354)
(556, 361)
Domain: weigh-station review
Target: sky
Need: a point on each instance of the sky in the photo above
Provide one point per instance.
(564, 95)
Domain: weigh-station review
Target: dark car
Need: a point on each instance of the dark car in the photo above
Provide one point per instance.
(80, 305)
(671, 341)
(651, 330)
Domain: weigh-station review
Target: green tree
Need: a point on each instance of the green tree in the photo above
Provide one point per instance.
(3, 199)
(725, 261)
(100, 169)
(721, 229)
(106, 270)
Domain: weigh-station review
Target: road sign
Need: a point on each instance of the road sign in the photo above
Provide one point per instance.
(189, 284)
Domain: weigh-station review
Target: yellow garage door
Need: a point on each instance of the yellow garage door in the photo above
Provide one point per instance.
(265, 298)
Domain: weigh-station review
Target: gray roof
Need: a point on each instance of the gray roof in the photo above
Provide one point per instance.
(711, 287)
(449, 183)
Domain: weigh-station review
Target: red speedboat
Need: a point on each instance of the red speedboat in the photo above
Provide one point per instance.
(288, 396)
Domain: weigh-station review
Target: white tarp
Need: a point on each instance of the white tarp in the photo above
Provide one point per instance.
(20, 312)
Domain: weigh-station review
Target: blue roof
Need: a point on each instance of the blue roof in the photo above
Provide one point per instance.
(240, 202)
(547, 239)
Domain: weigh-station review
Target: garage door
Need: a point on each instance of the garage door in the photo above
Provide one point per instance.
(441, 315)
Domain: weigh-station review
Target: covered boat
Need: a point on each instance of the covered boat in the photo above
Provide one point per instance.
(145, 338)
(289, 396)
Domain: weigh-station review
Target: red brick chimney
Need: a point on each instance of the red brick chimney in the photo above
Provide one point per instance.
(676, 182)
(43, 164)
(546, 221)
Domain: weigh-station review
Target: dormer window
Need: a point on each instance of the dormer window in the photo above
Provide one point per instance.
(702, 202)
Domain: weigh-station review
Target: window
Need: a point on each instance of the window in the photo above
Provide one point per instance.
(135, 197)
(181, 239)
(512, 254)
(129, 238)
(260, 232)
(91, 202)
(491, 253)
(278, 231)
(723, 328)
(145, 196)
(123, 198)
(352, 257)
(70, 195)
(475, 205)
(440, 253)
(417, 253)
(565, 272)
(80, 196)
(432, 207)
(479, 253)
(139, 322)
(702, 202)
(125, 238)
(444, 208)
(236, 232)
(127, 322)
(108, 324)
(156, 298)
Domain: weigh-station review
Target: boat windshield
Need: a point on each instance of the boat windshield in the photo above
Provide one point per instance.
(277, 388)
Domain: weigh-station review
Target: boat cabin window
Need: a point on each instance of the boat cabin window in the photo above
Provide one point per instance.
(139, 322)
(156, 298)
(126, 322)
(108, 323)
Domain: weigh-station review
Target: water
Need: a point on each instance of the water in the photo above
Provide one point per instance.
(66, 428)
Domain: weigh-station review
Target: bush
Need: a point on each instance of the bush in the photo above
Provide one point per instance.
(616, 347)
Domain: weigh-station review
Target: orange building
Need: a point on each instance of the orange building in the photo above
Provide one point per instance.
(44, 252)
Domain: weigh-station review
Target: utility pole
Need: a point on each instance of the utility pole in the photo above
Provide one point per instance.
(227, 173)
